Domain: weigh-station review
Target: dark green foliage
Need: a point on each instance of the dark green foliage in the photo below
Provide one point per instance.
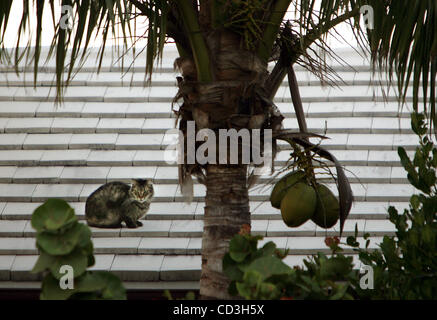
(422, 170)
(53, 215)
(92, 285)
(62, 240)
(190, 295)
(77, 260)
(260, 273)
(406, 265)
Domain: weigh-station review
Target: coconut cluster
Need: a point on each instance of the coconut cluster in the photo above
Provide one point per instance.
(299, 201)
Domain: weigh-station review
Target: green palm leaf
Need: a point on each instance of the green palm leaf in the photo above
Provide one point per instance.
(404, 43)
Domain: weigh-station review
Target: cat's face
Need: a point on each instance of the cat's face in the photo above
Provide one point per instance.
(142, 190)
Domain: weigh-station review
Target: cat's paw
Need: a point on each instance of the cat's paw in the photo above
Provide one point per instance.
(131, 225)
(139, 224)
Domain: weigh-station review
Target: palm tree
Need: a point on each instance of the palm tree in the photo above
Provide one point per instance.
(225, 47)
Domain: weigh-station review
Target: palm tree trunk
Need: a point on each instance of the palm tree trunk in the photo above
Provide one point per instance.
(226, 210)
(230, 101)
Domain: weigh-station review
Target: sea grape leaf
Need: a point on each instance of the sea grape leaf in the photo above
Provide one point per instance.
(230, 268)
(50, 289)
(239, 248)
(99, 285)
(64, 243)
(52, 215)
(268, 266)
(111, 286)
(75, 259)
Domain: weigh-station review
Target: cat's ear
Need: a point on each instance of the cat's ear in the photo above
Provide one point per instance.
(137, 182)
(142, 182)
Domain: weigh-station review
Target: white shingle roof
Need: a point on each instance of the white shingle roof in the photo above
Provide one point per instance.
(108, 131)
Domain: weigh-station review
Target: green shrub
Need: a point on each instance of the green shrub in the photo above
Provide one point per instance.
(406, 265)
(260, 273)
(62, 240)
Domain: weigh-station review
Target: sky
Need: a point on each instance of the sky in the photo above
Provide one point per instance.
(15, 18)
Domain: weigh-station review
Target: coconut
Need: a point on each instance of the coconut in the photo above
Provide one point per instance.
(298, 204)
(283, 185)
(327, 208)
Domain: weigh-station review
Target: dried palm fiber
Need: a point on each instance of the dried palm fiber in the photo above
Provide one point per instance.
(236, 99)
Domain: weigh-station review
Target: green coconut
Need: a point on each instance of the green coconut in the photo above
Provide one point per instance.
(298, 204)
(327, 210)
(283, 185)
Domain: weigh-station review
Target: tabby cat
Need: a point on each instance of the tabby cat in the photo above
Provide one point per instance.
(116, 201)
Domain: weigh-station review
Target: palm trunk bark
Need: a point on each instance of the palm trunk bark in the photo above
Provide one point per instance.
(226, 211)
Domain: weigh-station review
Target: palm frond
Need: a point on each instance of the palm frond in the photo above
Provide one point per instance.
(404, 42)
(272, 28)
(92, 18)
(302, 40)
(201, 57)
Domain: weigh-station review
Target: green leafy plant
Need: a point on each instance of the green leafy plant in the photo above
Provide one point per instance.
(62, 240)
(245, 18)
(260, 273)
(253, 270)
(190, 295)
(406, 265)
